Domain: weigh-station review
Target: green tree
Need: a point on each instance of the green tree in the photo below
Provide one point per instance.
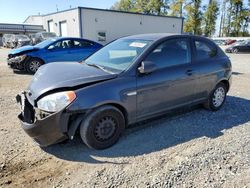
(176, 7)
(156, 7)
(246, 20)
(237, 20)
(210, 17)
(124, 5)
(194, 18)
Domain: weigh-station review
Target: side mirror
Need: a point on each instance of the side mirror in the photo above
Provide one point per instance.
(147, 67)
(51, 47)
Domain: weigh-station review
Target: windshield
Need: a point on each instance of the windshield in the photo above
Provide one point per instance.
(118, 55)
(48, 35)
(45, 43)
(7, 35)
(22, 37)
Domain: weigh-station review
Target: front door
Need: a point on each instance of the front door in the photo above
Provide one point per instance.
(172, 84)
(59, 51)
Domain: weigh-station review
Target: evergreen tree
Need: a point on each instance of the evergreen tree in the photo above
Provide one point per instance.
(210, 17)
(124, 5)
(156, 7)
(194, 17)
(176, 8)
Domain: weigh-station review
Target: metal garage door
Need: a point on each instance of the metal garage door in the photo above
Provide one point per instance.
(63, 29)
(51, 26)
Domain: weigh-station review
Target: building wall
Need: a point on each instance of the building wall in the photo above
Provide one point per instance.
(36, 20)
(70, 16)
(116, 24)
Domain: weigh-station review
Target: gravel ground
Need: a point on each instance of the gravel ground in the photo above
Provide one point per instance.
(187, 148)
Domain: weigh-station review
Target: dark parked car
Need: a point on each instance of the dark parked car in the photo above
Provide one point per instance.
(6, 40)
(239, 47)
(30, 58)
(42, 36)
(129, 80)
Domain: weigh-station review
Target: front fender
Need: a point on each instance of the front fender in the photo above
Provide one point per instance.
(116, 91)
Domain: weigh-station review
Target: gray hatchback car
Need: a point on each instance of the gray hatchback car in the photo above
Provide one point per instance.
(129, 80)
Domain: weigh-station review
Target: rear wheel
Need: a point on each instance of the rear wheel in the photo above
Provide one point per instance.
(103, 127)
(33, 64)
(216, 98)
(236, 50)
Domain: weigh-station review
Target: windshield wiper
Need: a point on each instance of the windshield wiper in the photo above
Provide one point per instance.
(99, 67)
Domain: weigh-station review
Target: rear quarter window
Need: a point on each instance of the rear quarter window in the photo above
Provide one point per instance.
(205, 50)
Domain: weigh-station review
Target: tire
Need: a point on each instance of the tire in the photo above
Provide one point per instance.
(235, 50)
(216, 98)
(33, 64)
(102, 128)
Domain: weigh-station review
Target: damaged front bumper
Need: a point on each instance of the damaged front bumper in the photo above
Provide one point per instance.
(44, 128)
(16, 63)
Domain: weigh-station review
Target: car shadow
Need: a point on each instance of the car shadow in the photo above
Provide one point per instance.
(160, 133)
(237, 73)
(21, 72)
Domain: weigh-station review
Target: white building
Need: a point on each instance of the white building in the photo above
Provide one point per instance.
(105, 25)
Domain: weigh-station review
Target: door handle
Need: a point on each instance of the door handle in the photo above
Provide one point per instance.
(189, 72)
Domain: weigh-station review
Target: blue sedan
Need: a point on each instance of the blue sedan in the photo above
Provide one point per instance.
(30, 58)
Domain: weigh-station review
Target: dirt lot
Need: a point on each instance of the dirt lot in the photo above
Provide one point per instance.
(194, 148)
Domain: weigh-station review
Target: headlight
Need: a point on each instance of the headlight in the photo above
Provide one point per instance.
(20, 58)
(56, 102)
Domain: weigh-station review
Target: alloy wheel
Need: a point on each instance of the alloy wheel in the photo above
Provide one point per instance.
(34, 65)
(219, 96)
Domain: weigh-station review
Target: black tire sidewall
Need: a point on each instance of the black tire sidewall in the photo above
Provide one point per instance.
(211, 105)
(88, 126)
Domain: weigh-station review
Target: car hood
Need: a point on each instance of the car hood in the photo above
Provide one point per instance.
(64, 75)
(23, 49)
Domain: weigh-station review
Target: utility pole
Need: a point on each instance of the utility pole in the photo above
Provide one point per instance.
(181, 8)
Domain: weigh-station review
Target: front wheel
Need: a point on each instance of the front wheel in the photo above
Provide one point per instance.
(33, 65)
(216, 98)
(103, 127)
(236, 50)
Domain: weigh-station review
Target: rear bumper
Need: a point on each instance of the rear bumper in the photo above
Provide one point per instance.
(46, 131)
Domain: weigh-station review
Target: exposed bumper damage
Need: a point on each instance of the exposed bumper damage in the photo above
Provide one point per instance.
(44, 128)
(15, 64)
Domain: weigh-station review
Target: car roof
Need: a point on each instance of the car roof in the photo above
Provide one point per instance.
(153, 36)
(159, 36)
(70, 38)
